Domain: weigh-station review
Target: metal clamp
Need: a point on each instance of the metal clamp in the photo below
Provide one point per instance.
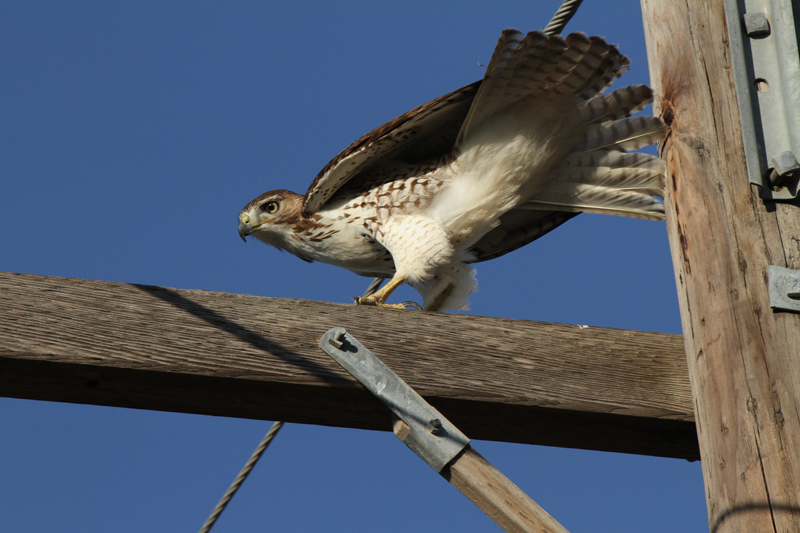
(766, 69)
(784, 288)
(431, 436)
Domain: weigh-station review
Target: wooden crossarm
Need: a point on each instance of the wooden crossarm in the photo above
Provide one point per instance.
(117, 344)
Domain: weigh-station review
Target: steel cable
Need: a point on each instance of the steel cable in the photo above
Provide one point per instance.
(562, 16)
(226, 498)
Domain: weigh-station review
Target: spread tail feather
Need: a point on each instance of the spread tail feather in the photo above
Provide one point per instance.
(617, 104)
(599, 176)
(623, 134)
(585, 198)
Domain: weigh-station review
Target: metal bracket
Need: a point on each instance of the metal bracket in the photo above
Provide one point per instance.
(434, 438)
(784, 288)
(766, 67)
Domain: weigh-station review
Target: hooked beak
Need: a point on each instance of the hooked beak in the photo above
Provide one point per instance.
(244, 230)
(248, 229)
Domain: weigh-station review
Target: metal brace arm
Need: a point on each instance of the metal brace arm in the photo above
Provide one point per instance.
(423, 429)
(431, 436)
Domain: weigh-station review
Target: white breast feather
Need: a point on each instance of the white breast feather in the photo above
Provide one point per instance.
(501, 164)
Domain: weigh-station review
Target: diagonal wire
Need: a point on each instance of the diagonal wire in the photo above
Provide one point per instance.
(562, 16)
(260, 449)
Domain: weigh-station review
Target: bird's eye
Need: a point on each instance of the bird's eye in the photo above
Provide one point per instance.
(271, 207)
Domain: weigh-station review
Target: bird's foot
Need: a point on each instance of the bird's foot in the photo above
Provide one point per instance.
(369, 300)
(379, 297)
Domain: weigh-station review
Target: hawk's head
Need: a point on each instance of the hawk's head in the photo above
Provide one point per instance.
(271, 217)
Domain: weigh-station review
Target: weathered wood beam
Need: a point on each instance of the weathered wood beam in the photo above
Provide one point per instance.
(743, 357)
(492, 492)
(116, 344)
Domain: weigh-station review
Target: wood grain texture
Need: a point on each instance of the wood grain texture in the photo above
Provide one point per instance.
(491, 491)
(235, 355)
(743, 358)
(495, 495)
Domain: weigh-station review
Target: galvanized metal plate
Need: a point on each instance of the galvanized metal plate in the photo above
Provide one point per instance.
(784, 288)
(431, 436)
(766, 66)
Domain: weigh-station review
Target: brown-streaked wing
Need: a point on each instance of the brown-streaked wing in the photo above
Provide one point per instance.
(432, 129)
(425, 131)
(517, 228)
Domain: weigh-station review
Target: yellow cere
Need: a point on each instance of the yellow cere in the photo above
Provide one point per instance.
(245, 218)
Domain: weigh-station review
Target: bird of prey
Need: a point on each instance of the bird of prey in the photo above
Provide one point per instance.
(477, 173)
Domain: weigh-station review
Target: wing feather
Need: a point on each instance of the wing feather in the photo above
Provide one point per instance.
(598, 176)
(425, 131)
(517, 228)
(540, 69)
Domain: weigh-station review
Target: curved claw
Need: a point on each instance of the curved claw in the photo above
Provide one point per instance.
(378, 298)
(369, 300)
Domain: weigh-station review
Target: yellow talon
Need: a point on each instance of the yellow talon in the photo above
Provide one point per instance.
(369, 301)
(379, 298)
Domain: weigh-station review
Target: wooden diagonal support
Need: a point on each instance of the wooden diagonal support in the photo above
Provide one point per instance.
(487, 487)
(225, 354)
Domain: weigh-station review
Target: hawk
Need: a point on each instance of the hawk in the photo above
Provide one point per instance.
(477, 173)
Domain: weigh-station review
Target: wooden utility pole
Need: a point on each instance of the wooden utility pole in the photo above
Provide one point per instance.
(743, 357)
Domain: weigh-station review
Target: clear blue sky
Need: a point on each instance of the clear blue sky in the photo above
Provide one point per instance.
(131, 136)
